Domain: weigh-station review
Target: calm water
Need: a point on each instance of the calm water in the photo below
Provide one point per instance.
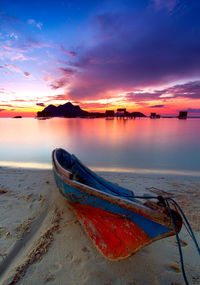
(137, 145)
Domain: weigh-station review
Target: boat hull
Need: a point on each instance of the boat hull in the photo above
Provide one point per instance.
(117, 226)
(114, 236)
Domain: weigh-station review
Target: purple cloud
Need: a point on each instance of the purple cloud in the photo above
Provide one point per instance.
(2, 110)
(190, 90)
(67, 71)
(193, 110)
(138, 50)
(60, 97)
(2, 90)
(27, 74)
(70, 53)
(64, 80)
(141, 96)
(40, 104)
(157, 106)
(17, 69)
(59, 83)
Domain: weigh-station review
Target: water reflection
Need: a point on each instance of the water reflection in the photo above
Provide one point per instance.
(134, 144)
(31, 165)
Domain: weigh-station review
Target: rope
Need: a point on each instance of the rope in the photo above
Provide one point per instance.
(179, 243)
(165, 202)
(186, 220)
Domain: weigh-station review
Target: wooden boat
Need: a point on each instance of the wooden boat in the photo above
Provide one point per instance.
(118, 224)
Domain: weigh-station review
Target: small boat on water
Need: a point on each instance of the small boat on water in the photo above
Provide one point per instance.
(117, 223)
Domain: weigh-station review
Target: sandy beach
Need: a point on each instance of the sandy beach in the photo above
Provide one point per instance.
(42, 242)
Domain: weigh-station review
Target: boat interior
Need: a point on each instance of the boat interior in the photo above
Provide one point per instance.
(85, 176)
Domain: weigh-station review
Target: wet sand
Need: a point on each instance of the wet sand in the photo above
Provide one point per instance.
(42, 242)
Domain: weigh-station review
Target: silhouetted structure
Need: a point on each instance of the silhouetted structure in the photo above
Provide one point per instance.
(154, 116)
(68, 110)
(109, 113)
(121, 112)
(182, 115)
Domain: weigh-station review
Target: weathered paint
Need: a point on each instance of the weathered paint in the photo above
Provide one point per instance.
(117, 226)
(153, 229)
(115, 236)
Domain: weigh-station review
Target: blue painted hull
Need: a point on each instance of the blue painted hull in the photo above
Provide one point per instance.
(153, 224)
(76, 195)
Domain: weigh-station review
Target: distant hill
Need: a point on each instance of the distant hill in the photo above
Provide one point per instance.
(67, 110)
(17, 117)
(137, 114)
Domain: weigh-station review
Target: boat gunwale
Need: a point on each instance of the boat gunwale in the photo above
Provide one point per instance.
(147, 212)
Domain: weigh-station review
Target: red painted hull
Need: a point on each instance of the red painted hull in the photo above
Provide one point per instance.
(117, 225)
(116, 237)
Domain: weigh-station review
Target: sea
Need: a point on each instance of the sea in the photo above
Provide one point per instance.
(142, 145)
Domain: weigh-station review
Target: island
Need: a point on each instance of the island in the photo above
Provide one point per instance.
(68, 110)
(17, 117)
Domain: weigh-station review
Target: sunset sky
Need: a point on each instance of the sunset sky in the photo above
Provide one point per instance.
(143, 55)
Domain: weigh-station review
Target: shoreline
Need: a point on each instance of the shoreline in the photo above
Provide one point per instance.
(100, 169)
(57, 248)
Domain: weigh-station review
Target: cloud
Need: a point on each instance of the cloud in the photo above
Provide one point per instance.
(27, 74)
(193, 110)
(157, 106)
(60, 97)
(9, 48)
(6, 91)
(64, 81)
(35, 23)
(16, 38)
(142, 96)
(20, 100)
(13, 36)
(59, 83)
(67, 71)
(146, 49)
(20, 57)
(2, 91)
(17, 69)
(13, 53)
(2, 110)
(11, 106)
(40, 104)
(163, 4)
(31, 43)
(6, 105)
(70, 53)
(189, 90)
